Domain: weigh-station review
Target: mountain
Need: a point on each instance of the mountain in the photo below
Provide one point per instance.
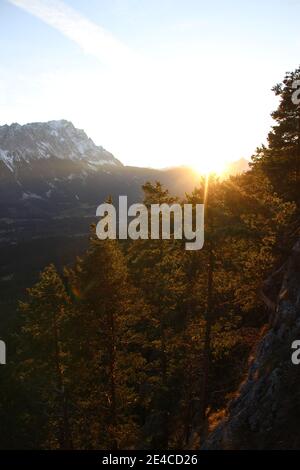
(58, 139)
(39, 161)
(51, 169)
(52, 178)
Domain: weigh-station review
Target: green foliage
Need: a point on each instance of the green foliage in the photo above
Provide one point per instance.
(44, 356)
(109, 364)
(280, 160)
(142, 342)
(132, 347)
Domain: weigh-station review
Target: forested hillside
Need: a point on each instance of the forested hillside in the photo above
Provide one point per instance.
(142, 344)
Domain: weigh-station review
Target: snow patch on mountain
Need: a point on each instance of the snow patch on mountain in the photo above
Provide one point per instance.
(29, 195)
(7, 159)
(59, 139)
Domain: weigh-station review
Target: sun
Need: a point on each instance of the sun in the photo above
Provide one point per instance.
(209, 166)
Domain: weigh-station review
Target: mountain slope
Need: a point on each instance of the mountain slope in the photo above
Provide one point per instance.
(60, 139)
(266, 412)
(52, 178)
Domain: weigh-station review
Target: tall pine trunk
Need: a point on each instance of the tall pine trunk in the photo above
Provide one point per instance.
(204, 393)
(112, 364)
(65, 439)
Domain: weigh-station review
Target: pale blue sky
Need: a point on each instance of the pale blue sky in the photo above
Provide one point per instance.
(158, 83)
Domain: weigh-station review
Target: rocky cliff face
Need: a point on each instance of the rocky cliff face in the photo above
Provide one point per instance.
(43, 140)
(45, 164)
(266, 412)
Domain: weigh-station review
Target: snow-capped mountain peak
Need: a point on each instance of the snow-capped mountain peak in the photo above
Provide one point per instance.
(42, 140)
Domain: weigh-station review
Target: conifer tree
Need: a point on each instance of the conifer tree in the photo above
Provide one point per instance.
(280, 160)
(157, 268)
(44, 355)
(109, 318)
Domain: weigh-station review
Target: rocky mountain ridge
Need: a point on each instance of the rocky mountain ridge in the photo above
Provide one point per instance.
(56, 139)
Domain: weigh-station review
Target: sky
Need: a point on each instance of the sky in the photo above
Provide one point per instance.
(158, 83)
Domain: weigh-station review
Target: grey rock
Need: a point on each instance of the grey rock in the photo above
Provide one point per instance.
(266, 413)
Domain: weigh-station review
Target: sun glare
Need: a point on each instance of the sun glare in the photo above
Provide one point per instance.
(209, 166)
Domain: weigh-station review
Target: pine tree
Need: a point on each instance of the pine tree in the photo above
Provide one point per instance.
(44, 355)
(209, 292)
(109, 319)
(280, 160)
(157, 268)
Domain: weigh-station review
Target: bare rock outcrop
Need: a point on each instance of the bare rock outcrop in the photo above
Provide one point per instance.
(266, 412)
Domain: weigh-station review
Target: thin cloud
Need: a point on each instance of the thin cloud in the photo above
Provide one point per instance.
(92, 39)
